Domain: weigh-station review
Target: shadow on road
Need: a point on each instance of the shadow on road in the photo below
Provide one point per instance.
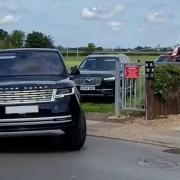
(31, 144)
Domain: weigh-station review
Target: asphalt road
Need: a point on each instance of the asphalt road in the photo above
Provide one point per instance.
(37, 158)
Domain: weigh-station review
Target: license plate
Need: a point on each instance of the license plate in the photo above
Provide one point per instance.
(87, 88)
(21, 109)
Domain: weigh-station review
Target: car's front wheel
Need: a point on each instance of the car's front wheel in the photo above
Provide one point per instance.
(75, 138)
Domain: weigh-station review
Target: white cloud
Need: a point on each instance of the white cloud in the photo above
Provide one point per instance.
(117, 8)
(156, 17)
(102, 12)
(13, 8)
(160, 5)
(88, 14)
(9, 19)
(116, 26)
(94, 8)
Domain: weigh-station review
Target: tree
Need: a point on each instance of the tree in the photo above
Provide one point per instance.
(39, 40)
(99, 48)
(17, 39)
(3, 34)
(60, 47)
(138, 48)
(90, 48)
(4, 39)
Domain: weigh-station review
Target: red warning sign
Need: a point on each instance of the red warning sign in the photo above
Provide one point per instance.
(131, 72)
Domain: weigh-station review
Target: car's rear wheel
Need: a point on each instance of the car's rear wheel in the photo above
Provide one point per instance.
(75, 138)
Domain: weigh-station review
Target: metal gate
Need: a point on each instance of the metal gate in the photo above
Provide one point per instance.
(130, 92)
(133, 90)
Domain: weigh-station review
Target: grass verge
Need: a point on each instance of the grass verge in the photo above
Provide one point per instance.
(97, 107)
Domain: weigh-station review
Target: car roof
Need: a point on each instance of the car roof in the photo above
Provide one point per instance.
(104, 55)
(28, 49)
(166, 55)
(169, 56)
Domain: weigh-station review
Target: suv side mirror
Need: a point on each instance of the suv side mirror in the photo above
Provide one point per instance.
(74, 71)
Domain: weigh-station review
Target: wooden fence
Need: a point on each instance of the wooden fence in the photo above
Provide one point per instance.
(156, 108)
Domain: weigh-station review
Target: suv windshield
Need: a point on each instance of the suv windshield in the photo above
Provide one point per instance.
(98, 64)
(19, 63)
(164, 59)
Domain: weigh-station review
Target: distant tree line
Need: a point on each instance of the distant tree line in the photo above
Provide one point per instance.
(90, 48)
(18, 39)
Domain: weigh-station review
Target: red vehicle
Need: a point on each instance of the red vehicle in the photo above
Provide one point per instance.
(176, 51)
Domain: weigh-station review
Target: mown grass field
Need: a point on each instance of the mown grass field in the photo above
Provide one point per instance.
(101, 105)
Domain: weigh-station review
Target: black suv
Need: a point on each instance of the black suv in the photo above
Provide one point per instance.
(97, 75)
(36, 94)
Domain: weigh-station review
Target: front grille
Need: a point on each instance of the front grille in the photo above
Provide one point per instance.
(25, 96)
(95, 81)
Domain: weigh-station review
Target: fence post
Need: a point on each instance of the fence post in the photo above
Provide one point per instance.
(117, 87)
(123, 88)
(77, 53)
(67, 52)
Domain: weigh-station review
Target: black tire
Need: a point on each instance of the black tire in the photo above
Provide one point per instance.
(75, 138)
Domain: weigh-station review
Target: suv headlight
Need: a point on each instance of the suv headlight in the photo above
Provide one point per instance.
(109, 78)
(64, 92)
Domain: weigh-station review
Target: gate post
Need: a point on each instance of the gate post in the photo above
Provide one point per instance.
(117, 87)
(149, 70)
(150, 106)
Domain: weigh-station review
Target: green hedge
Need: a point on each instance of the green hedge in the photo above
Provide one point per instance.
(167, 81)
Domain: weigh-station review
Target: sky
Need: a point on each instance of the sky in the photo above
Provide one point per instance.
(107, 23)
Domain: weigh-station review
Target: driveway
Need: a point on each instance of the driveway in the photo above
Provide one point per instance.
(165, 131)
(38, 158)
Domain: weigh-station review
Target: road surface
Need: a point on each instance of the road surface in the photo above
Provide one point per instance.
(37, 158)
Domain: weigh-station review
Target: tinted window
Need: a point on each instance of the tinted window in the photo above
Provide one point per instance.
(163, 59)
(98, 64)
(177, 59)
(31, 63)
